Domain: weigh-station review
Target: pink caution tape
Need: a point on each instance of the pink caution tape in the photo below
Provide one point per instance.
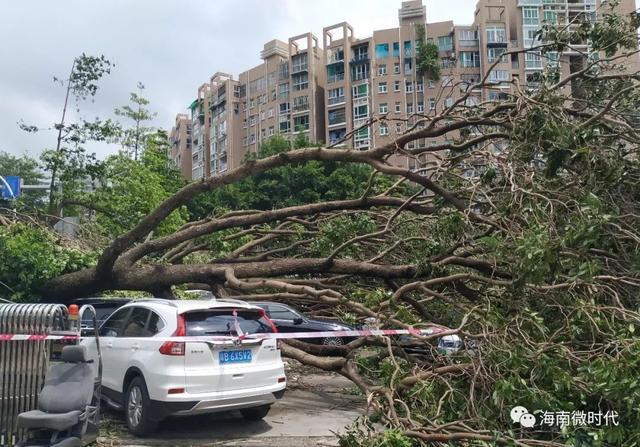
(248, 337)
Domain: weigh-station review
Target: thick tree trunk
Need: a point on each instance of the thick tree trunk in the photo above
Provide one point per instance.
(159, 279)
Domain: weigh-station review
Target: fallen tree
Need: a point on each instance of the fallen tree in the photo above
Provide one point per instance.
(518, 229)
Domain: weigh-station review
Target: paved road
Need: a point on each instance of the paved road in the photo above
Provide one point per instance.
(314, 408)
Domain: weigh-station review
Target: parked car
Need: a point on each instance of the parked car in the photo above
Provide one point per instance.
(103, 306)
(151, 378)
(447, 344)
(288, 319)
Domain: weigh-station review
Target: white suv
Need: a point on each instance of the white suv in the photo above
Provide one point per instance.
(150, 378)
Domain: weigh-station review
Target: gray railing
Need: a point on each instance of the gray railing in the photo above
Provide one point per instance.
(23, 364)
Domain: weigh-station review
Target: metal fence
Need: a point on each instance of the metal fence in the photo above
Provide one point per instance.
(23, 364)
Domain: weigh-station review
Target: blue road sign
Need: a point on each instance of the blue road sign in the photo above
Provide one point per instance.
(13, 190)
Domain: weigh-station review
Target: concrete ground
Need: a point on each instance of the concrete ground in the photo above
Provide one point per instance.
(315, 407)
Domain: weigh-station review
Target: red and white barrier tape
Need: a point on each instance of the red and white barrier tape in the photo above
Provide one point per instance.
(249, 337)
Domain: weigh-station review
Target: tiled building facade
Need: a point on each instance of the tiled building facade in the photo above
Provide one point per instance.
(332, 93)
(180, 144)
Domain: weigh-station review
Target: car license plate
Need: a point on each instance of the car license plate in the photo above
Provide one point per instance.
(243, 355)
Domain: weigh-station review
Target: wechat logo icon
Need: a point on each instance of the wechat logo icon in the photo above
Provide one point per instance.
(522, 416)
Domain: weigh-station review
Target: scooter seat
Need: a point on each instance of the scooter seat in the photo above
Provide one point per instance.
(52, 421)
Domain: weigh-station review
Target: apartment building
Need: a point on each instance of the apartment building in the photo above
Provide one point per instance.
(284, 94)
(333, 92)
(180, 144)
(376, 77)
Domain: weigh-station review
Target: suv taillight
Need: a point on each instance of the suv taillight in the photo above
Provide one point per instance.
(175, 347)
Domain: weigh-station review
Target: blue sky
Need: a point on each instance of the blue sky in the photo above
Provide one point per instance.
(170, 46)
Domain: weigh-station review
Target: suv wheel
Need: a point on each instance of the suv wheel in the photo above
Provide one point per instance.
(255, 413)
(332, 341)
(137, 409)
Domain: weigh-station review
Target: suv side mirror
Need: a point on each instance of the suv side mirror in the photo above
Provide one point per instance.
(298, 321)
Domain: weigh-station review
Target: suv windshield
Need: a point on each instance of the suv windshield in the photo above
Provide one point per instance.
(222, 322)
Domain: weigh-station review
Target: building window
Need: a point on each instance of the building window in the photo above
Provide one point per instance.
(396, 86)
(270, 113)
(397, 106)
(262, 116)
(301, 123)
(408, 86)
(408, 65)
(447, 81)
(337, 116)
(384, 130)
(419, 86)
(252, 138)
(252, 120)
(398, 128)
(300, 81)
(432, 103)
(498, 76)
(382, 87)
(468, 37)
(299, 63)
(532, 60)
(410, 107)
(530, 15)
(551, 17)
(420, 107)
(494, 53)
(336, 95)
(432, 83)
(335, 55)
(445, 43)
(496, 34)
(335, 73)
(283, 91)
(337, 135)
(361, 112)
(382, 70)
(284, 126)
(407, 49)
(361, 52)
(272, 131)
(359, 72)
(448, 102)
(360, 91)
(396, 49)
(469, 59)
(396, 68)
(382, 51)
(284, 108)
(301, 104)
(383, 108)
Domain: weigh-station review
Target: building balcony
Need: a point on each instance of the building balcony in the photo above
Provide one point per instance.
(362, 101)
(301, 108)
(335, 78)
(299, 68)
(529, 2)
(336, 100)
(359, 122)
(361, 144)
(360, 60)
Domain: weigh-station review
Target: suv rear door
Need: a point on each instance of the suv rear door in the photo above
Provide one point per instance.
(211, 367)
